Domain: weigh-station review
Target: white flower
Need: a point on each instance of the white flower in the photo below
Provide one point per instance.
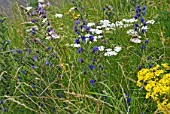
(92, 30)
(87, 35)
(44, 20)
(98, 31)
(130, 20)
(41, 1)
(117, 48)
(28, 8)
(98, 27)
(55, 36)
(145, 27)
(119, 23)
(58, 15)
(105, 23)
(127, 25)
(95, 39)
(101, 48)
(71, 9)
(132, 32)
(110, 53)
(75, 45)
(90, 24)
(100, 36)
(109, 49)
(136, 40)
(112, 25)
(151, 21)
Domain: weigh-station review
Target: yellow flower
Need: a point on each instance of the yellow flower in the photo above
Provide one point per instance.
(139, 84)
(147, 95)
(158, 72)
(165, 65)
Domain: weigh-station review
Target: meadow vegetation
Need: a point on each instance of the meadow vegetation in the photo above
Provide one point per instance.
(86, 57)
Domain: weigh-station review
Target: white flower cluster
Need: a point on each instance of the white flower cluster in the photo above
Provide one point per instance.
(109, 51)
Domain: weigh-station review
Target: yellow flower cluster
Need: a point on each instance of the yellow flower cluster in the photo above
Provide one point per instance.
(156, 82)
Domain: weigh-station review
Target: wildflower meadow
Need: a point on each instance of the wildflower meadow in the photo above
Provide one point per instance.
(85, 57)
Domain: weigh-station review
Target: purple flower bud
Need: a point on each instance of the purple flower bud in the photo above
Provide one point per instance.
(80, 60)
(95, 49)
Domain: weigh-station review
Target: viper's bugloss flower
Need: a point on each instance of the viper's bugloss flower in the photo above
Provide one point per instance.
(92, 82)
(47, 63)
(77, 22)
(53, 109)
(143, 31)
(83, 38)
(41, 104)
(80, 50)
(136, 25)
(85, 72)
(34, 20)
(138, 10)
(139, 67)
(5, 109)
(101, 67)
(84, 21)
(145, 24)
(33, 86)
(143, 12)
(88, 30)
(76, 41)
(142, 20)
(95, 49)
(24, 71)
(129, 100)
(59, 68)
(30, 94)
(144, 7)
(103, 9)
(150, 65)
(59, 95)
(49, 48)
(149, 57)
(91, 38)
(143, 47)
(91, 67)
(35, 58)
(80, 60)
(2, 101)
(147, 41)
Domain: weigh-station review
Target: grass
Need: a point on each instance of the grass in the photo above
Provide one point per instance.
(58, 83)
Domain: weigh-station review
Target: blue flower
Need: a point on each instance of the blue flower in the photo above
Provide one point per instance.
(81, 60)
(84, 21)
(91, 38)
(88, 30)
(149, 57)
(101, 67)
(41, 104)
(143, 47)
(59, 68)
(59, 95)
(143, 12)
(147, 41)
(139, 67)
(33, 86)
(144, 7)
(83, 38)
(77, 22)
(47, 63)
(35, 58)
(92, 82)
(2, 102)
(143, 31)
(76, 41)
(91, 67)
(103, 9)
(34, 20)
(85, 72)
(80, 50)
(136, 25)
(128, 100)
(142, 20)
(95, 49)
(150, 65)
(5, 109)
